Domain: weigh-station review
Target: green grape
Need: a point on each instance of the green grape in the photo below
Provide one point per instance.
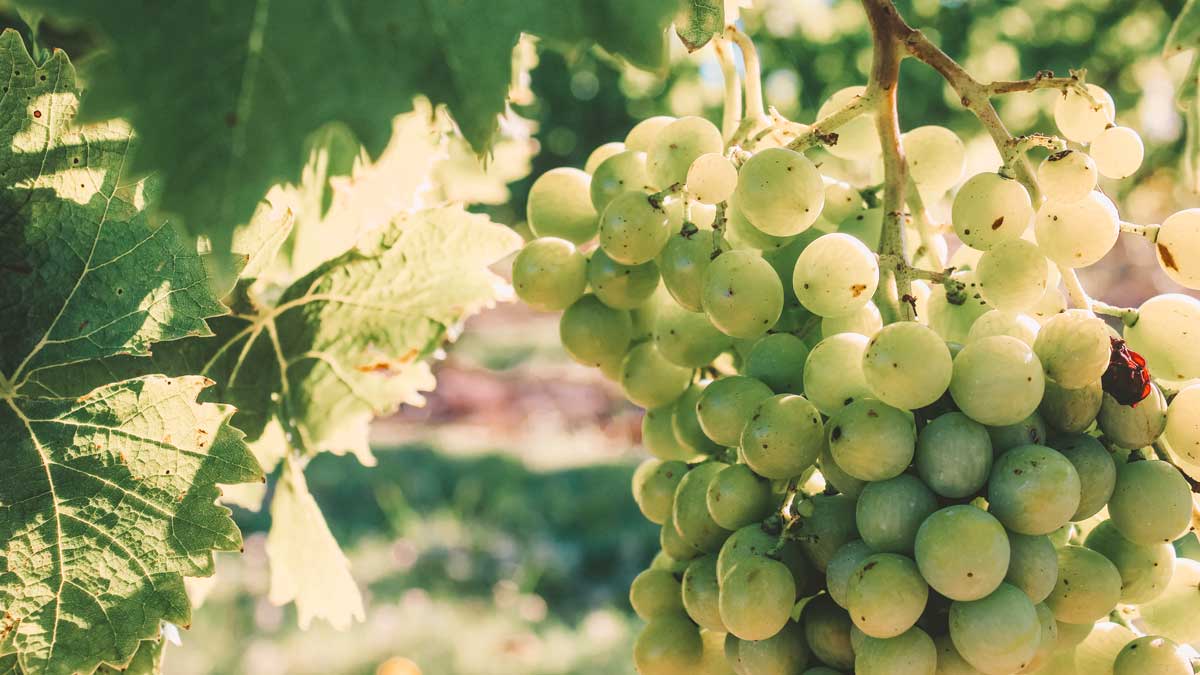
(673, 544)
(954, 455)
(732, 654)
(686, 423)
(1063, 535)
(780, 191)
(1133, 426)
(1072, 634)
(1098, 651)
(1067, 176)
(997, 381)
(654, 484)
(658, 435)
(1033, 490)
(866, 320)
(655, 593)
(1097, 472)
(727, 404)
(1118, 152)
(677, 145)
(990, 208)
(835, 275)
(936, 158)
(1173, 613)
(700, 593)
(998, 322)
(857, 139)
(1088, 586)
(1145, 568)
(911, 653)
(827, 632)
(1032, 429)
(784, 653)
(833, 375)
(549, 274)
(954, 321)
(712, 178)
(1074, 348)
(712, 660)
(687, 338)
(963, 552)
(601, 153)
(778, 361)
(739, 497)
(1151, 655)
(837, 478)
(645, 315)
(743, 234)
(1012, 275)
(621, 286)
(682, 264)
(756, 597)
(841, 567)
(830, 525)
(668, 645)
(1081, 120)
(651, 381)
(783, 436)
(643, 134)
(1151, 502)
(889, 512)
(742, 295)
(1177, 243)
(907, 365)
(886, 595)
(1183, 424)
(633, 228)
(560, 206)
(865, 226)
(754, 540)
(1165, 335)
(1070, 411)
(1032, 565)
(949, 661)
(998, 634)
(872, 441)
(842, 200)
(1077, 234)
(783, 261)
(1188, 546)
(1048, 643)
(666, 563)
(593, 333)
(690, 510)
(621, 172)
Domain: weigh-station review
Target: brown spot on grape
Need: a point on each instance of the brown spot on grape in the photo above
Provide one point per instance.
(857, 289)
(997, 223)
(1168, 259)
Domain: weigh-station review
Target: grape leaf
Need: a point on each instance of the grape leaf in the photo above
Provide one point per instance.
(1185, 33)
(699, 21)
(146, 661)
(225, 116)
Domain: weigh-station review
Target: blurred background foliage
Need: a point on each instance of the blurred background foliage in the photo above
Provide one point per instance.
(497, 534)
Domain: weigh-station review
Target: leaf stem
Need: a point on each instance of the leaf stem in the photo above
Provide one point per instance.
(731, 112)
(753, 78)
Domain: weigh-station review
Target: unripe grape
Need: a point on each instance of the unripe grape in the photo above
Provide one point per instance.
(758, 540)
(644, 133)
(936, 157)
(989, 209)
(871, 440)
(1067, 176)
(866, 320)
(783, 436)
(1151, 655)
(712, 178)
(1070, 410)
(1151, 502)
(1032, 565)
(700, 592)
(949, 661)
(668, 645)
(1118, 152)
(1145, 568)
(953, 321)
(686, 425)
(865, 226)
(674, 545)
(780, 191)
(742, 295)
(757, 597)
(1088, 586)
(741, 233)
(601, 153)
(677, 145)
(1079, 119)
(842, 566)
(1032, 429)
(687, 338)
(1178, 247)
(593, 333)
(1097, 472)
(907, 365)
(889, 512)
(997, 380)
(689, 512)
(997, 634)
(857, 139)
(1012, 275)
(827, 632)
(738, 497)
(779, 361)
(632, 229)
(998, 322)
(835, 275)
(658, 435)
(836, 478)
(1165, 334)
(727, 404)
(785, 652)
(1033, 490)
(1077, 234)
(954, 455)
(1134, 426)
(560, 205)
(886, 595)
(654, 484)
(651, 381)
(963, 552)
(682, 264)
(830, 525)
(620, 173)
(1074, 348)
(621, 286)
(911, 653)
(549, 274)
(655, 593)
(842, 200)
(833, 375)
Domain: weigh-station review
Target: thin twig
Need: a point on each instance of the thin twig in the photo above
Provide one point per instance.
(731, 114)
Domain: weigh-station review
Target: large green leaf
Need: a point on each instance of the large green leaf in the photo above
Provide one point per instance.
(224, 93)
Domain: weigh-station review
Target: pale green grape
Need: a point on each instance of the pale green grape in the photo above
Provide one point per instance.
(835, 275)
(907, 365)
(756, 598)
(998, 322)
(645, 315)
(739, 497)
(1081, 120)
(1133, 426)
(1077, 234)
(830, 525)
(677, 145)
(1151, 502)
(1165, 334)
(742, 295)
(1096, 654)
(755, 540)
(842, 200)
(686, 423)
(866, 320)
(549, 274)
(682, 264)
(936, 158)
(865, 226)
(835, 477)
(1173, 613)
(779, 361)
(666, 563)
(886, 595)
(644, 133)
(1145, 568)
(649, 380)
(949, 661)
(654, 484)
(658, 435)
(781, 654)
(783, 260)
(655, 593)
(594, 333)
(871, 440)
(833, 372)
(1033, 489)
(560, 205)
(889, 512)
(997, 380)
(1029, 430)
(712, 660)
(601, 153)
(1067, 176)
(1178, 247)
(1048, 644)
(1070, 411)
(841, 567)
(827, 632)
(732, 651)
(1012, 275)
(620, 173)
(780, 191)
(633, 230)
(741, 233)
(1074, 348)
(621, 286)
(1183, 423)
(1097, 472)
(857, 139)
(1088, 586)
(689, 512)
(998, 634)
(954, 455)
(963, 552)
(668, 645)
(1032, 565)
(782, 437)
(1151, 655)
(687, 338)
(700, 593)
(1118, 152)
(727, 404)
(989, 209)
(954, 321)
(673, 545)
(911, 653)
(1072, 634)
(712, 178)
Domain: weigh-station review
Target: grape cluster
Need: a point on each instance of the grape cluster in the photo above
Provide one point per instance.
(977, 491)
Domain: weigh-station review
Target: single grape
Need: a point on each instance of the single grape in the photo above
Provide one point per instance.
(712, 658)
(1081, 118)
(1029, 430)
(833, 373)
(741, 233)
(633, 228)
(593, 333)
(549, 274)
(954, 455)
(963, 552)
(835, 275)
(1033, 489)
(782, 437)
(1178, 244)
(889, 512)
(949, 661)
(953, 319)
(1088, 586)
(1173, 613)
(1048, 644)
(1074, 348)
(682, 264)
(601, 153)
(655, 593)
(727, 404)
(621, 286)
(780, 191)
(1134, 426)
(871, 440)
(835, 477)
(1032, 565)
(658, 435)
(1165, 334)
(1077, 234)
(654, 484)
(1183, 423)
(645, 315)
(700, 593)
(643, 134)
(841, 567)
(779, 361)
(759, 540)
(1072, 634)
(687, 338)
(1151, 655)
(742, 295)
(866, 320)
(1145, 568)
(830, 525)
(997, 322)
(1067, 176)
(936, 158)
(989, 209)
(1053, 302)
(756, 598)
(620, 173)
(842, 200)
(781, 654)
(1012, 275)
(1118, 152)
(827, 632)
(1098, 651)
(685, 422)
(997, 380)
(673, 545)
(783, 261)
(1151, 502)
(690, 513)
(907, 365)
(998, 634)
(712, 178)
(677, 145)
(560, 206)
(911, 653)
(857, 139)
(865, 226)
(886, 595)
(738, 497)
(651, 381)
(668, 645)
(1097, 472)
(1070, 411)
